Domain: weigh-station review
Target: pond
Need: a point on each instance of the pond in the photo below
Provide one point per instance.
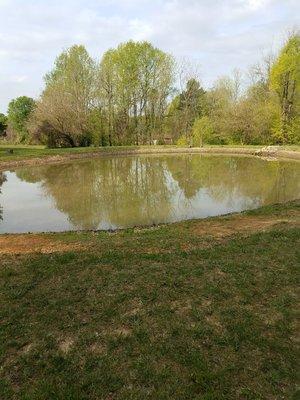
(120, 192)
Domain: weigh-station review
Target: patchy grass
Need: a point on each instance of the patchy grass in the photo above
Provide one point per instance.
(26, 152)
(195, 310)
(23, 152)
(25, 244)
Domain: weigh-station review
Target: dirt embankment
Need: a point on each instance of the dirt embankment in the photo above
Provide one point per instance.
(270, 151)
(34, 243)
(217, 229)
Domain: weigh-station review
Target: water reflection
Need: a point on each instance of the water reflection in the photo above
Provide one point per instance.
(2, 180)
(126, 191)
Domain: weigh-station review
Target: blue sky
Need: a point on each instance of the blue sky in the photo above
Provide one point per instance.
(218, 35)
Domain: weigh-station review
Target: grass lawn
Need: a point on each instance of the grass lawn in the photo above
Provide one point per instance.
(195, 310)
(21, 152)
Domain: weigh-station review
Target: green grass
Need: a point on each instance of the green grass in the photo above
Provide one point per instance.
(24, 152)
(21, 152)
(160, 313)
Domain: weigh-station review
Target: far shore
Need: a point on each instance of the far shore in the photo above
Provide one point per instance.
(37, 155)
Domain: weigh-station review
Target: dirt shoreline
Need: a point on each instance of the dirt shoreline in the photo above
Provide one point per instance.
(221, 228)
(263, 152)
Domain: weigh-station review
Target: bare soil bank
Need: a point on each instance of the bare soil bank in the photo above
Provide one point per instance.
(218, 229)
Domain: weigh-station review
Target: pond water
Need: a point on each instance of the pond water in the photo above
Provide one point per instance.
(119, 192)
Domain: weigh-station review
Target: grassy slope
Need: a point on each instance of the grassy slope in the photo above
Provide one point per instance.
(175, 312)
(27, 152)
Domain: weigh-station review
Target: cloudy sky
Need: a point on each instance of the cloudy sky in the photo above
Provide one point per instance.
(218, 35)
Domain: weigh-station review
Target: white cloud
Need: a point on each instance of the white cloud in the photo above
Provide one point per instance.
(220, 34)
(18, 78)
(256, 4)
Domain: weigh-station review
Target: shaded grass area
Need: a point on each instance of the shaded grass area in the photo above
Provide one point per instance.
(156, 313)
(21, 152)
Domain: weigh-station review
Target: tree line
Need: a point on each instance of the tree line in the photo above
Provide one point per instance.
(137, 94)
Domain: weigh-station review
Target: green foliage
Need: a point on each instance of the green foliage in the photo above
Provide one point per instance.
(287, 66)
(294, 131)
(97, 131)
(190, 98)
(283, 133)
(135, 81)
(19, 112)
(203, 132)
(184, 109)
(182, 142)
(62, 114)
(128, 98)
(285, 81)
(3, 124)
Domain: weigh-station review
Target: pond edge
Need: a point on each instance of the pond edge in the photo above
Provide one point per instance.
(269, 152)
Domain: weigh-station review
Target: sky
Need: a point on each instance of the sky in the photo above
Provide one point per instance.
(217, 35)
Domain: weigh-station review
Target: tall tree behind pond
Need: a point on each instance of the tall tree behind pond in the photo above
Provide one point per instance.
(19, 113)
(285, 81)
(135, 82)
(62, 114)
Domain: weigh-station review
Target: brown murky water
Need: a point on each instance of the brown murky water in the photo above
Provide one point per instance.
(120, 192)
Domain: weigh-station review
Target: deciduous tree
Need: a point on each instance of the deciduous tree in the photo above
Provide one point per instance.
(19, 112)
(285, 81)
(3, 124)
(62, 114)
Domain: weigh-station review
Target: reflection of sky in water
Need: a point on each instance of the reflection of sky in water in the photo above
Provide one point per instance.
(27, 209)
(203, 205)
(118, 193)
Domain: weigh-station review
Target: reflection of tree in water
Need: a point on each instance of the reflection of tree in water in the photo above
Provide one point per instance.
(227, 178)
(125, 191)
(116, 191)
(2, 180)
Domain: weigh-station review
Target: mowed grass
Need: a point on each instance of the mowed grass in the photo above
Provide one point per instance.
(21, 152)
(171, 312)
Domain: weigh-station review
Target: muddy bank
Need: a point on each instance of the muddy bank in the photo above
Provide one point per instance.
(269, 151)
(220, 229)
